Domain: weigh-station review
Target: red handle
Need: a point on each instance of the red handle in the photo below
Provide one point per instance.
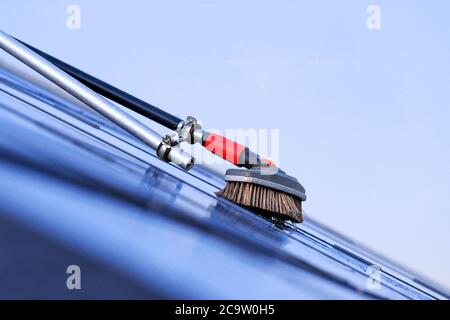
(223, 147)
(232, 151)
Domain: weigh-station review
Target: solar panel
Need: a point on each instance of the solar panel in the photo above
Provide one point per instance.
(84, 190)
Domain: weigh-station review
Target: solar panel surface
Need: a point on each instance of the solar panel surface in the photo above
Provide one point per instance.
(76, 189)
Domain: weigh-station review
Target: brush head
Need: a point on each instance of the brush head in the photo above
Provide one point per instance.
(268, 190)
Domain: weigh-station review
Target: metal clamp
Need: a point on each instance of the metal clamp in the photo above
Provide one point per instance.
(169, 151)
(189, 131)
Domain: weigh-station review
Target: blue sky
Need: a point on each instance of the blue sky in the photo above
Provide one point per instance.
(363, 114)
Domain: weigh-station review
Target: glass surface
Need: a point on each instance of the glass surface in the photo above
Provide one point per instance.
(78, 180)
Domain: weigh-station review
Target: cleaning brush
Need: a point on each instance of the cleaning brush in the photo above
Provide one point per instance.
(267, 190)
(261, 186)
(264, 199)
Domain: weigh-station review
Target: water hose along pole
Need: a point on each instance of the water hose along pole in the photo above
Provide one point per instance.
(92, 99)
(115, 94)
(227, 149)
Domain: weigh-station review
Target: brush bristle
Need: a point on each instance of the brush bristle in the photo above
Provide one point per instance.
(266, 199)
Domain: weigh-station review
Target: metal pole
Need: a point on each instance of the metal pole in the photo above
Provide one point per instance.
(92, 99)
